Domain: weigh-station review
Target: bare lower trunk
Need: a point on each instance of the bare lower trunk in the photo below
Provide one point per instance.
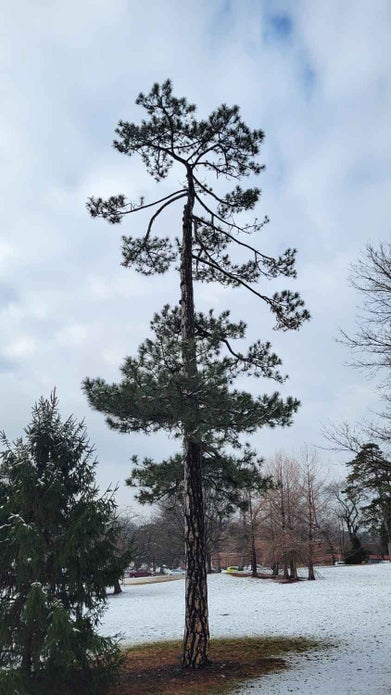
(196, 637)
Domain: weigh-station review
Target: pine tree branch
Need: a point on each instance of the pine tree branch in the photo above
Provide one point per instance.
(220, 219)
(212, 264)
(237, 241)
(157, 213)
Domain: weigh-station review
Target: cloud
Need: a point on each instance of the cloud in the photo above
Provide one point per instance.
(315, 76)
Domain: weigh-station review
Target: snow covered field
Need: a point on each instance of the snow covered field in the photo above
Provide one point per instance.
(350, 606)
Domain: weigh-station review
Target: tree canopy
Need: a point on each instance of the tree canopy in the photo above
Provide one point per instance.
(154, 391)
(219, 146)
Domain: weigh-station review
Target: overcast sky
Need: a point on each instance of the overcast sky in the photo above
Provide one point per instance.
(314, 75)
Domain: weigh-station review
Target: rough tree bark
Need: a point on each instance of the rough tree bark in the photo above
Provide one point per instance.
(196, 635)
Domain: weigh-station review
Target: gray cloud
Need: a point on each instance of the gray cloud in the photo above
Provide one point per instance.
(315, 76)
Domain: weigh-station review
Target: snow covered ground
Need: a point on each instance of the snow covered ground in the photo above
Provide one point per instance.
(350, 606)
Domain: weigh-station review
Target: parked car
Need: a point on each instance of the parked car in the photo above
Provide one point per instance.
(177, 571)
(139, 573)
(232, 568)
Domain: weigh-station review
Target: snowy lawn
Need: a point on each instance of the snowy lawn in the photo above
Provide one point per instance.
(349, 606)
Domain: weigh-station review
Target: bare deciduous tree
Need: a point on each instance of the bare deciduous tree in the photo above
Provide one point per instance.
(371, 342)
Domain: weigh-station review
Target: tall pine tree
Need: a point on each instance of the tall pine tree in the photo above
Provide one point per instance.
(181, 381)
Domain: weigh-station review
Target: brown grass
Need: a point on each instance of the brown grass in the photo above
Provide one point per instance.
(156, 668)
(275, 578)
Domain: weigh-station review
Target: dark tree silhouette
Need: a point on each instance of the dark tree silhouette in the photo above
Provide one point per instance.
(59, 553)
(370, 478)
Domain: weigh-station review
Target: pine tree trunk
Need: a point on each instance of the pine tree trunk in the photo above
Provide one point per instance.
(196, 636)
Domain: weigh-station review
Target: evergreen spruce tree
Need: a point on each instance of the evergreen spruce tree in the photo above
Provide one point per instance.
(349, 502)
(58, 541)
(370, 479)
(168, 386)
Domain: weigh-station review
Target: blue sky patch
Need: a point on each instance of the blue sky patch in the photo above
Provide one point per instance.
(278, 27)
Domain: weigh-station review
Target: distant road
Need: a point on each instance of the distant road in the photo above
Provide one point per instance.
(153, 580)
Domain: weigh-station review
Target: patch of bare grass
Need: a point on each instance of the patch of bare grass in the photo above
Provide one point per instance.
(156, 668)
